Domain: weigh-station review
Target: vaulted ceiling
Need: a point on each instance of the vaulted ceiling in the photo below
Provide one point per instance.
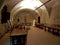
(12, 3)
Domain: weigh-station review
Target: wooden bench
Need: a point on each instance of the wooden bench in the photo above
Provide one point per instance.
(39, 25)
(53, 29)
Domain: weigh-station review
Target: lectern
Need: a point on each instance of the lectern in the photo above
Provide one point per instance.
(18, 37)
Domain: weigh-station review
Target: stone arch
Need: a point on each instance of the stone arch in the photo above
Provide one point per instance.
(25, 15)
(42, 12)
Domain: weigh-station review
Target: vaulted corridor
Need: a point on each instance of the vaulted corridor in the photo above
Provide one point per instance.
(30, 22)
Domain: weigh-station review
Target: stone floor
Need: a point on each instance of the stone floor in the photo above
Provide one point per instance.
(36, 36)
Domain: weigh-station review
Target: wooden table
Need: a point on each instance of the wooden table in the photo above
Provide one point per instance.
(17, 31)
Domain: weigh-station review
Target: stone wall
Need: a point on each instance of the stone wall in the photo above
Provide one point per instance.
(55, 14)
